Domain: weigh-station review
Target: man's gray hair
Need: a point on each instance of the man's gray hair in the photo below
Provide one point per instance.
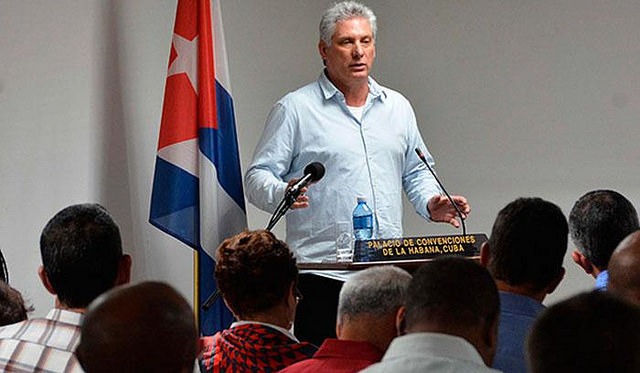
(343, 11)
(375, 291)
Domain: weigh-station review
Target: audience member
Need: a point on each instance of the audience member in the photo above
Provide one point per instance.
(524, 255)
(148, 327)
(591, 332)
(12, 305)
(450, 321)
(598, 221)
(624, 269)
(367, 308)
(82, 257)
(257, 275)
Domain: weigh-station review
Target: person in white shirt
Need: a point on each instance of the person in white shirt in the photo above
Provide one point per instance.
(449, 322)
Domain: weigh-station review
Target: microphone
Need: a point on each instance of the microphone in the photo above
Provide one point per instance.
(314, 171)
(424, 160)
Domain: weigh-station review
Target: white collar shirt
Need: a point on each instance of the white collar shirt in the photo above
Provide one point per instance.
(430, 352)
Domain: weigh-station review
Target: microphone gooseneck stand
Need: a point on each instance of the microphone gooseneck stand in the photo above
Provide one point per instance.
(455, 206)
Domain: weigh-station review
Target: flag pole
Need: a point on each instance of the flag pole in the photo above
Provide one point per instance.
(196, 285)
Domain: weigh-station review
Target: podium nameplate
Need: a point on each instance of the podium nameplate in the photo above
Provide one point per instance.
(409, 248)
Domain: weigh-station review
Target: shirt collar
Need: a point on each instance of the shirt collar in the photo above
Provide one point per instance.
(332, 347)
(329, 90)
(276, 327)
(424, 344)
(517, 303)
(70, 317)
(601, 280)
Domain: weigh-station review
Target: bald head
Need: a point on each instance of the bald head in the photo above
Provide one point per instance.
(145, 327)
(624, 269)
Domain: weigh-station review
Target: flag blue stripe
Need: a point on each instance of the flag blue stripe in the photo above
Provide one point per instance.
(174, 202)
(175, 211)
(221, 147)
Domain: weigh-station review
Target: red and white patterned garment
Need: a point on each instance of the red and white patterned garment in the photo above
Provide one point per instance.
(252, 347)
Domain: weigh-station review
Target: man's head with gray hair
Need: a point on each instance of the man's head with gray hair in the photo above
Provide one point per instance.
(368, 304)
(342, 11)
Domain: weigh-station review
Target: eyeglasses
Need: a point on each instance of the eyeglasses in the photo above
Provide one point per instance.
(298, 294)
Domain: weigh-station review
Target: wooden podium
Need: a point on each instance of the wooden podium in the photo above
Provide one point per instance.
(407, 252)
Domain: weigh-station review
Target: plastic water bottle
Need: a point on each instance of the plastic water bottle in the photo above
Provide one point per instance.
(362, 221)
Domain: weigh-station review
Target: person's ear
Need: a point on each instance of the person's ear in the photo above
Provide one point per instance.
(485, 254)
(401, 324)
(322, 48)
(124, 270)
(582, 261)
(45, 280)
(338, 328)
(291, 295)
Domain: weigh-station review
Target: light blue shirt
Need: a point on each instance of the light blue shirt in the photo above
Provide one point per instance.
(602, 280)
(372, 156)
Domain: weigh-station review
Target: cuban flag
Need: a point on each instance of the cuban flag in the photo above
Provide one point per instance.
(197, 192)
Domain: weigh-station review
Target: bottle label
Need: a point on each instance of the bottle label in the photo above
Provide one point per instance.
(363, 222)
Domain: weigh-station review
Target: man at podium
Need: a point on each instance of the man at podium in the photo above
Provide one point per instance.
(365, 135)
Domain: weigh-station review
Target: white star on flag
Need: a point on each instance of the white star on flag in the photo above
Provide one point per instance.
(186, 60)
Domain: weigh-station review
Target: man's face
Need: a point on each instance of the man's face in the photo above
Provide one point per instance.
(351, 54)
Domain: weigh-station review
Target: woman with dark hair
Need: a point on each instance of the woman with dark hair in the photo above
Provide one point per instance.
(12, 306)
(257, 275)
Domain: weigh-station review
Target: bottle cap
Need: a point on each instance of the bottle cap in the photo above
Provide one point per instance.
(362, 199)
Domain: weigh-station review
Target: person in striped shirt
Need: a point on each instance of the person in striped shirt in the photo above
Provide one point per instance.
(82, 257)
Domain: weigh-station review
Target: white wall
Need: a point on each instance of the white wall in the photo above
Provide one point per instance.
(514, 98)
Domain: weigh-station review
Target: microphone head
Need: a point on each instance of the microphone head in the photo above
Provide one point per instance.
(315, 170)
